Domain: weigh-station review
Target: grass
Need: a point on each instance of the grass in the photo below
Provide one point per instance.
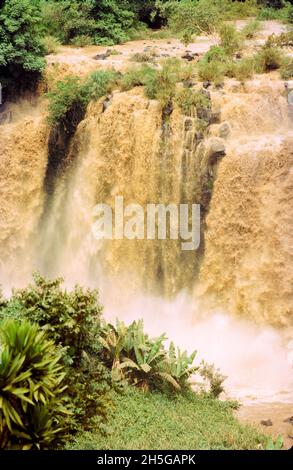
(251, 29)
(158, 421)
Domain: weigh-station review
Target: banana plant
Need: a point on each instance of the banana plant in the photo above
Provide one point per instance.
(113, 341)
(180, 364)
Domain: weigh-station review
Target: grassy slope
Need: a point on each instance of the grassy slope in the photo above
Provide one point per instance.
(156, 421)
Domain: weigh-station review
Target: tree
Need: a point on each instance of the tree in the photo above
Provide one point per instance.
(21, 47)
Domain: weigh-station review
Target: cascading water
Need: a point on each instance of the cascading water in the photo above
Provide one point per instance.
(124, 150)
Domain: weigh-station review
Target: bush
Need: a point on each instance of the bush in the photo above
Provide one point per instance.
(212, 71)
(136, 77)
(82, 40)
(72, 320)
(269, 58)
(281, 40)
(243, 69)
(21, 45)
(99, 84)
(51, 44)
(32, 400)
(286, 70)
(72, 95)
(189, 17)
(189, 100)
(67, 95)
(162, 85)
(213, 377)
(231, 40)
(143, 57)
(216, 53)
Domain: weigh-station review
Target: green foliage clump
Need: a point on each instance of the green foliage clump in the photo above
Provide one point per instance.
(230, 39)
(143, 57)
(213, 377)
(144, 361)
(32, 400)
(155, 420)
(188, 17)
(162, 85)
(286, 69)
(274, 445)
(82, 40)
(51, 44)
(137, 77)
(21, 45)
(282, 12)
(269, 58)
(72, 320)
(71, 96)
(67, 96)
(213, 71)
(189, 100)
(105, 22)
(243, 69)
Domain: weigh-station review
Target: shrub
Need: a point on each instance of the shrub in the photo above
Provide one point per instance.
(72, 95)
(32, 400)
(281, 40)
(216, 53)
(136, 77)
(162, 85)
(99, 84)
(243, 69)
(213, 377)
(51, 44)
(188, 99)
(143, 57)
(286, 70)
(189, 17)
(66, 96)
(269, 58)
(251, 29)
(21, 45)
(82, 40)
(72, 320)
(231, 40)
(212, 71)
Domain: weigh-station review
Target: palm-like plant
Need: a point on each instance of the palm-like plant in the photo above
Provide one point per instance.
(30, 385)
(142, 360)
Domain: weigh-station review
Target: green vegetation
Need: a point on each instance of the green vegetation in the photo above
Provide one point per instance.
(142, 360)
(251, 29)
(67, 376)
(21, 45)
(269, 58)
(70, 97)
(30, 29)
(51, 44)
(286, 70)
(32, 403)
(154, 420)
(188, 100)
(230, 39)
